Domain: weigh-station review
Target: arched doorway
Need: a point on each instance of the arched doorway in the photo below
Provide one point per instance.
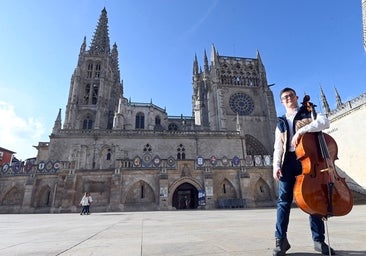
(185, 197)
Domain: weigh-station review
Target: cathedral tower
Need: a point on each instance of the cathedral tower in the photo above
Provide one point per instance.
(231, 93)
(95, 86)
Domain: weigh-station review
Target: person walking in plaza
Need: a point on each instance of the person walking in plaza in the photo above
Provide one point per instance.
(294, 123)
(85, 203)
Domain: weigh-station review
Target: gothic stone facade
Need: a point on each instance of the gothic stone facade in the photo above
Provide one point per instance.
(134, 156)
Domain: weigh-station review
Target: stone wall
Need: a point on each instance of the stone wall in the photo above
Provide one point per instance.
(131, 189)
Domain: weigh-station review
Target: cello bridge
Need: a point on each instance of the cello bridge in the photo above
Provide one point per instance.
(325, 170)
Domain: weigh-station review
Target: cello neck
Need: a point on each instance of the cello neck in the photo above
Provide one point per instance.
(310, 107)
(323, 146)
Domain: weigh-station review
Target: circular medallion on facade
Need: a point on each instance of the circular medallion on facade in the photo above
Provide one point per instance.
(49, 166)
(156, 161)
(16, 167)
(213, 160)
(241, 103)
(200, 161)
(57, 165)
(147, 158)
(137, 161)
(267, 160)
(224, 161)
(41, 166)
(258, 160)
(236, 160)
(171, 161)
(28, 166)
(248, 161)
(5, 168)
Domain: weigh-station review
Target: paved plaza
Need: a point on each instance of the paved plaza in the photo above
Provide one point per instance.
(178, 233)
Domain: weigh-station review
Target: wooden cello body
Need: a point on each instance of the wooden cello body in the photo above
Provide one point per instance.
(319, 189)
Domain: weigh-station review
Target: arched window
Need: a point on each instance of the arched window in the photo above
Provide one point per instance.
(140, 121)
(181, 152)
(97, 70)
(95, 94)
(87, 123)
(157, 120)
(142, 191)
(86, 94)
(109, 154)
(91, 94)
(90, 70)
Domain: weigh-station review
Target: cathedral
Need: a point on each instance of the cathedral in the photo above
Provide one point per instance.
(134, 156)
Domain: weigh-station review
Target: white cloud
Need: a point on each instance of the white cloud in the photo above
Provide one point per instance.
(19, 134)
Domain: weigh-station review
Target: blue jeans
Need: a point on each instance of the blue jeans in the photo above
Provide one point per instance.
(291, 168)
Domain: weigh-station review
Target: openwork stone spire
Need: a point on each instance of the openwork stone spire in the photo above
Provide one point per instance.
(325, 104)
(58, 123)
(100, 43)
(115, 64)
(338, 99)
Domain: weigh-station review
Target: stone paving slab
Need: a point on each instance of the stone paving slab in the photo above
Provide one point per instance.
(173, 233)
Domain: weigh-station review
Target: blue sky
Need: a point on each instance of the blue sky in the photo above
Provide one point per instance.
(305, 44)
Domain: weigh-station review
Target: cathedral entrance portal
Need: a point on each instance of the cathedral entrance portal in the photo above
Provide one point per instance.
(185, 197)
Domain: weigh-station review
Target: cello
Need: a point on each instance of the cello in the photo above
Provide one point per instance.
(319, 190)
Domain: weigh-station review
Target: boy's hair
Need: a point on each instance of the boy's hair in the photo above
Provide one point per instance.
(287, 89)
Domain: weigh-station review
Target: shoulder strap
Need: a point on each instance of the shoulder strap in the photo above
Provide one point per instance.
(282, 123)
(283, 126)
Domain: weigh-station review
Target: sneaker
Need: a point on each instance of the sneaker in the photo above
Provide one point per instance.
(282, 245)
(323, 248)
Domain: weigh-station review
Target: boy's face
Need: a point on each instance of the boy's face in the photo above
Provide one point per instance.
(289, 99)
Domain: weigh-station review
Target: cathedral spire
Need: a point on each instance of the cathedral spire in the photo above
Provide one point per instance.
(82, 51)
(83, 46)
(338, 99)
(57, 125)
(195, 65)
(262, 70)
(213, 55)
(325, 104)
(100, 43)
(115, 64)
(259, 58)
(205, 62)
